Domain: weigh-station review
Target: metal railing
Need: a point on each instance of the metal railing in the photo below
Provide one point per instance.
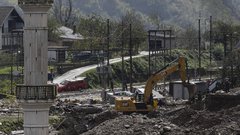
(12, 41)
(42, 92)
(35, 1)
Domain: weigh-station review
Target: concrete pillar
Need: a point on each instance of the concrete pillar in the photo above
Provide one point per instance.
(35, 44)
(36, 118)
(35, 96)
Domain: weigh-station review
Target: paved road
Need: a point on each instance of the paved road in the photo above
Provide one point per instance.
(76, 72)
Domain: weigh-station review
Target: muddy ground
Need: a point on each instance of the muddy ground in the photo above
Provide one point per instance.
(177, 118)
(88, 115)
(166, 120)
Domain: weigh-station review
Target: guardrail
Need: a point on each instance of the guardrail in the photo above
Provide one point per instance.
(42, 92)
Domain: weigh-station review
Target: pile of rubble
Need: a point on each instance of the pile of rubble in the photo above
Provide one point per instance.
(181, 121)
(137, 124)
(78, 118)
(175, 117)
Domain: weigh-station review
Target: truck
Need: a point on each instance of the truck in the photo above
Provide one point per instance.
(144, 103)
(74, 84)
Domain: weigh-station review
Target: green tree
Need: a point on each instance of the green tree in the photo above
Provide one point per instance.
(188, 38)
(53, 25)
(155, 19)
(5, 86)
(139, 34)
(218, 52)
(63, 12)
(6, 59)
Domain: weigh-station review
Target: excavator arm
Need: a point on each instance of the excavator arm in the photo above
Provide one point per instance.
(167, 70)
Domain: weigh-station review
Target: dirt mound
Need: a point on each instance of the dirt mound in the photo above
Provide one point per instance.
(180, 121)
(78, 118)
(170, 119)
(225, 121)
(135, 124)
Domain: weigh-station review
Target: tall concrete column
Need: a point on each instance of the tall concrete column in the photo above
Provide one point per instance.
(35, 95)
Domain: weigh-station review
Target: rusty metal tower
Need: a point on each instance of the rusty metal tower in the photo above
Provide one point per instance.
(35, 95)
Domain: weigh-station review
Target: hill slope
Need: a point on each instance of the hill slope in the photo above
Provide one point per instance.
(180, 12)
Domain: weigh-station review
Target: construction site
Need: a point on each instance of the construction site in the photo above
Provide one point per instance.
(162, 89)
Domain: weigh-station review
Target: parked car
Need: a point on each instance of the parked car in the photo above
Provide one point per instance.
(75, 84)
(85, 55)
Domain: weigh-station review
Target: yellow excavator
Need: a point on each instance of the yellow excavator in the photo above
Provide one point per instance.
(145, 104)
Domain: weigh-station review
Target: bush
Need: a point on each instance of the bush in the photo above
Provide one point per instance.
(218, 52)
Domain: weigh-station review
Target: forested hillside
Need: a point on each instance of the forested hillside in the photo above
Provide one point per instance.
(180, 12)
(176, 12)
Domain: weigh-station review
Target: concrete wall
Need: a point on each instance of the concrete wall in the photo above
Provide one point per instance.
(52, 56)
(218, 102)
(178, 91)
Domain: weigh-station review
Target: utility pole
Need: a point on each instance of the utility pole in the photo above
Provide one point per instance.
(170, 43)
(231, 45)
(210, 34)
(199, 47)
(164, 47)
(225, 44)
(123, 71)
(108, 64)
(149, 54)
(155, 52)
(130, 53)
(225, 53)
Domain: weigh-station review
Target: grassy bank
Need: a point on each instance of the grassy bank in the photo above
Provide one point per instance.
(140, 67)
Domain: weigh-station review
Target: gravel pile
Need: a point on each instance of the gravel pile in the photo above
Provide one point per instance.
(174, 122)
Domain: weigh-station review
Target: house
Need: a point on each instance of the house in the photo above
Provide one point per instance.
(57, 51)
(159, 41)
(11, 24)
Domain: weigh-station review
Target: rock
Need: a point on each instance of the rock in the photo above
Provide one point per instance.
(165, 123)
(145, 117)
(88, 109)
(127, 126)
(173, 125)
(187, 130)
(167, 129)
(18, 132)
(139, 120)
(154, 133)
(1, 133)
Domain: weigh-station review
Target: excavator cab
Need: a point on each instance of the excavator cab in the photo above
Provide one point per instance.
(139, 97)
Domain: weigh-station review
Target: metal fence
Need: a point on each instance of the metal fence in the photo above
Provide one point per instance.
(12, 41)
(35, 1)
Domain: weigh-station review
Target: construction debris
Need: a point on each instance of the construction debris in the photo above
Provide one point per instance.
(173, 117)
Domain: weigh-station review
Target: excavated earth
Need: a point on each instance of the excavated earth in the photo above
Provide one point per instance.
(178, 122)
(177, 118)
